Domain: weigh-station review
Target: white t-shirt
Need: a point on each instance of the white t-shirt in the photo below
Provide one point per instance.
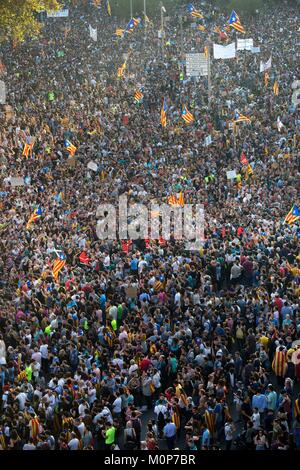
(228, 432)
(21, 397)
(256, 420)
(44, 351)
(73, 444)
(117, 405)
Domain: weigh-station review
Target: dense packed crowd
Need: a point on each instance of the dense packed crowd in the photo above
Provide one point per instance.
(147, 345)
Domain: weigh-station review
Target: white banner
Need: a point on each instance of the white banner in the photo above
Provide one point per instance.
(196, 65)
(255, 50)
(265, 65)
(58, 14)
(92, 166)
(244, 44)
(2, 92)
(93, 33)
(231, 174)
(17, 181)
(207, 141)
(224, 52)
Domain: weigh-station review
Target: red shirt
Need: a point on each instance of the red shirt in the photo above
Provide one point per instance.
(145, 363)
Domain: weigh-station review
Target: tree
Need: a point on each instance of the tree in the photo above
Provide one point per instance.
(18, 18)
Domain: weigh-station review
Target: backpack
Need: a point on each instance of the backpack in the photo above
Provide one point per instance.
(161, 418)
(239, 333)
(136, 424)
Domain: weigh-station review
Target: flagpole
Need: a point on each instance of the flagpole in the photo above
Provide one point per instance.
(181, 37)
(145, 14)
(131, 12)
(162, 28)
(208, 77)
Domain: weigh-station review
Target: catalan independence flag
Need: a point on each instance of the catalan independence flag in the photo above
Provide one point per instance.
(276, 88)
(108, 8)
(172, 200)
(70, 147)
(121, 70)
(163, 114)
(58, 265)
(138, 96)
(27, 149)
(120, 32)
(187, 116)
(279, 364)
(131, 25)
(235, 22)
(34, 216)
(181, 199)
(192, 10)
(293, 215)
(266, 78)
(238, 117)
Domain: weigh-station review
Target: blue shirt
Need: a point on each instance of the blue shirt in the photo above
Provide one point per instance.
(134, 264)
(260, 402)
(206, 438)
(170, 430)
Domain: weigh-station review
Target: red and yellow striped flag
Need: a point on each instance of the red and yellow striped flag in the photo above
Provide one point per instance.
(58, 265)
(27, 149)
(276, 88)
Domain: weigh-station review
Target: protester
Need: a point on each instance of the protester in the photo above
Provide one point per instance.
(139, 330)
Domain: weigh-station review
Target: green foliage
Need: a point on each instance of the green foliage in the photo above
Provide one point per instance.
(18, 18)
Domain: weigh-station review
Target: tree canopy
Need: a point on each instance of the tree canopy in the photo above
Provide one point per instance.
(18, 18)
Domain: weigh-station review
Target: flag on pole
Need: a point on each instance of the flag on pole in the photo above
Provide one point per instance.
(93, 33)
(276, 88)
(280, 125)
(70, 147)
(266, 78)
(192, 10)
(181, 199)
(108, 8)
(120, 32)
(201, 27)
(27, 149)
(249, 170)
(238, 117)
(263, 66)
(34, 216)
(293, 215)
(235, 22)
(138, 96)
(187, 116)
(172, 200)
(58, 265)
(163, 114)
(131, 25)
(121, 70)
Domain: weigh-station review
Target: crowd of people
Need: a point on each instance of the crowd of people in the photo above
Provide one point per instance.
(146, 345)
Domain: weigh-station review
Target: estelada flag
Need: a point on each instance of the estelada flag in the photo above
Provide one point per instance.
(279, 364)
(83, 258)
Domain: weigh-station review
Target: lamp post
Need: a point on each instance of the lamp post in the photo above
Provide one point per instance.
(145, 15)
(162, 11)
